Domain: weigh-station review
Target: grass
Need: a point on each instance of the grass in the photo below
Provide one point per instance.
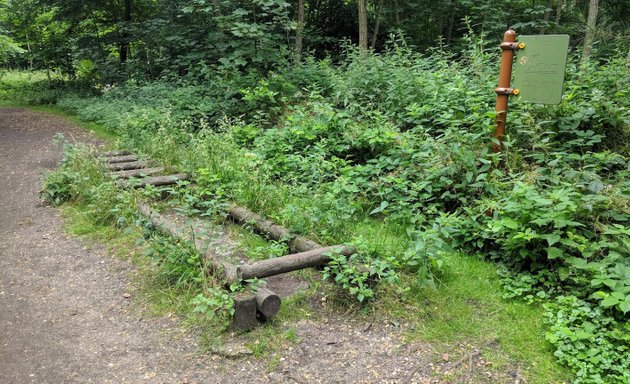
(468, 308)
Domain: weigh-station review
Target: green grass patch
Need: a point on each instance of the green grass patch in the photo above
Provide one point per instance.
(468, 308)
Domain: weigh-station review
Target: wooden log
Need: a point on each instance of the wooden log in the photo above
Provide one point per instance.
(267, 302)
(288, 263)
(121, 159)
(244, 318)
(127, 166)
(115, 153)
(272, 230)
(155, 181)
(142, 172)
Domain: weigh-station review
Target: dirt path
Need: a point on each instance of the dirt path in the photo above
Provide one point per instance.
(64, 317)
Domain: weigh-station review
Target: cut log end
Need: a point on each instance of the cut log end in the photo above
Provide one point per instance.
(268, 302)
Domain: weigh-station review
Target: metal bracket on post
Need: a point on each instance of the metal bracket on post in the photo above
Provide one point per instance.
(507, 91)
(512, 46)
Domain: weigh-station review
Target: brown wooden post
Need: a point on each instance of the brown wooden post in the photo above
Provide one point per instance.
(508, 46)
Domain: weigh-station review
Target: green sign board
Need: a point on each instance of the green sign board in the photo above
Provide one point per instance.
(539, 68)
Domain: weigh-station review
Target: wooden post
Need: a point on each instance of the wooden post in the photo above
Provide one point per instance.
(503, 90)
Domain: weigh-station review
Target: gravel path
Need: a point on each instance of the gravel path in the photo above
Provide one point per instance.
(66, 315)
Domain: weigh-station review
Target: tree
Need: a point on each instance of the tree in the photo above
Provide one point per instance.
(363, 29)
(590, 30)
(300, 28)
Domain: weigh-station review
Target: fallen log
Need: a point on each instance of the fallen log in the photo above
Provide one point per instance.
(155, 181)
(272, 230)
(121, 159)
(126, 166)
(115, 153)
(142, 172)
(288, 263)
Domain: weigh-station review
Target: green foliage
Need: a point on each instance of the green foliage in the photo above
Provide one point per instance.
(358, 274)
(391, 151)
(593, 344)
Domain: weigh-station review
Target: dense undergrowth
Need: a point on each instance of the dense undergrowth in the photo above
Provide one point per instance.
(392, 152)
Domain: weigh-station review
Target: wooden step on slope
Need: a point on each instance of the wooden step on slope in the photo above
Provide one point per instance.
(156, 181)
(121, 159)
(115, 153)
(142, 172)
(127, 166)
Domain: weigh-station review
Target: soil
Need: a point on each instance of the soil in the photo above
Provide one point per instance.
(67, 311)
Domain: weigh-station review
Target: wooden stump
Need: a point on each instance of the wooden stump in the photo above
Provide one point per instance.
(244, 318)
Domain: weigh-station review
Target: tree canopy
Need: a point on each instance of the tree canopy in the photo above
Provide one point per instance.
(149, 39)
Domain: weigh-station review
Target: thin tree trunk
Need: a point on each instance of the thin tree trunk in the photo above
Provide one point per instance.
(397, 13)
(377, 24)
(451, 23)
(591, 23)
(363, 30)
(628, 57)
(546, 17)
(558, 12)
(300, 28)
(124, 45)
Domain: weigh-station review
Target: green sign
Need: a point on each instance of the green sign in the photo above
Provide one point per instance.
(539, 68)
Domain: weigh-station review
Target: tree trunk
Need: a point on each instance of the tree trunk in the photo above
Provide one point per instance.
(546, 17)
(591, 23)
(558, 12)
(124, 45)
(300, 28)
(377, 24)
(363, 29)
(451, 23)
(628, 57)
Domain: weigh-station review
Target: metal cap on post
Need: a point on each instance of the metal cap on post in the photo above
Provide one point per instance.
(508, 46)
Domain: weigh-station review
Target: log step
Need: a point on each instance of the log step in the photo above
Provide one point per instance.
(115, 153)
(127, 166)
(272, 230)
(288, 263)
(153, 180)
(246, 304)
(142, 172)
(121, 159)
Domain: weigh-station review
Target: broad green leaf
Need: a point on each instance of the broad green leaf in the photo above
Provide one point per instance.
(554, 253)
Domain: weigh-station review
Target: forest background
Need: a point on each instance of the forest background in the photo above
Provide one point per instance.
(369, 122)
